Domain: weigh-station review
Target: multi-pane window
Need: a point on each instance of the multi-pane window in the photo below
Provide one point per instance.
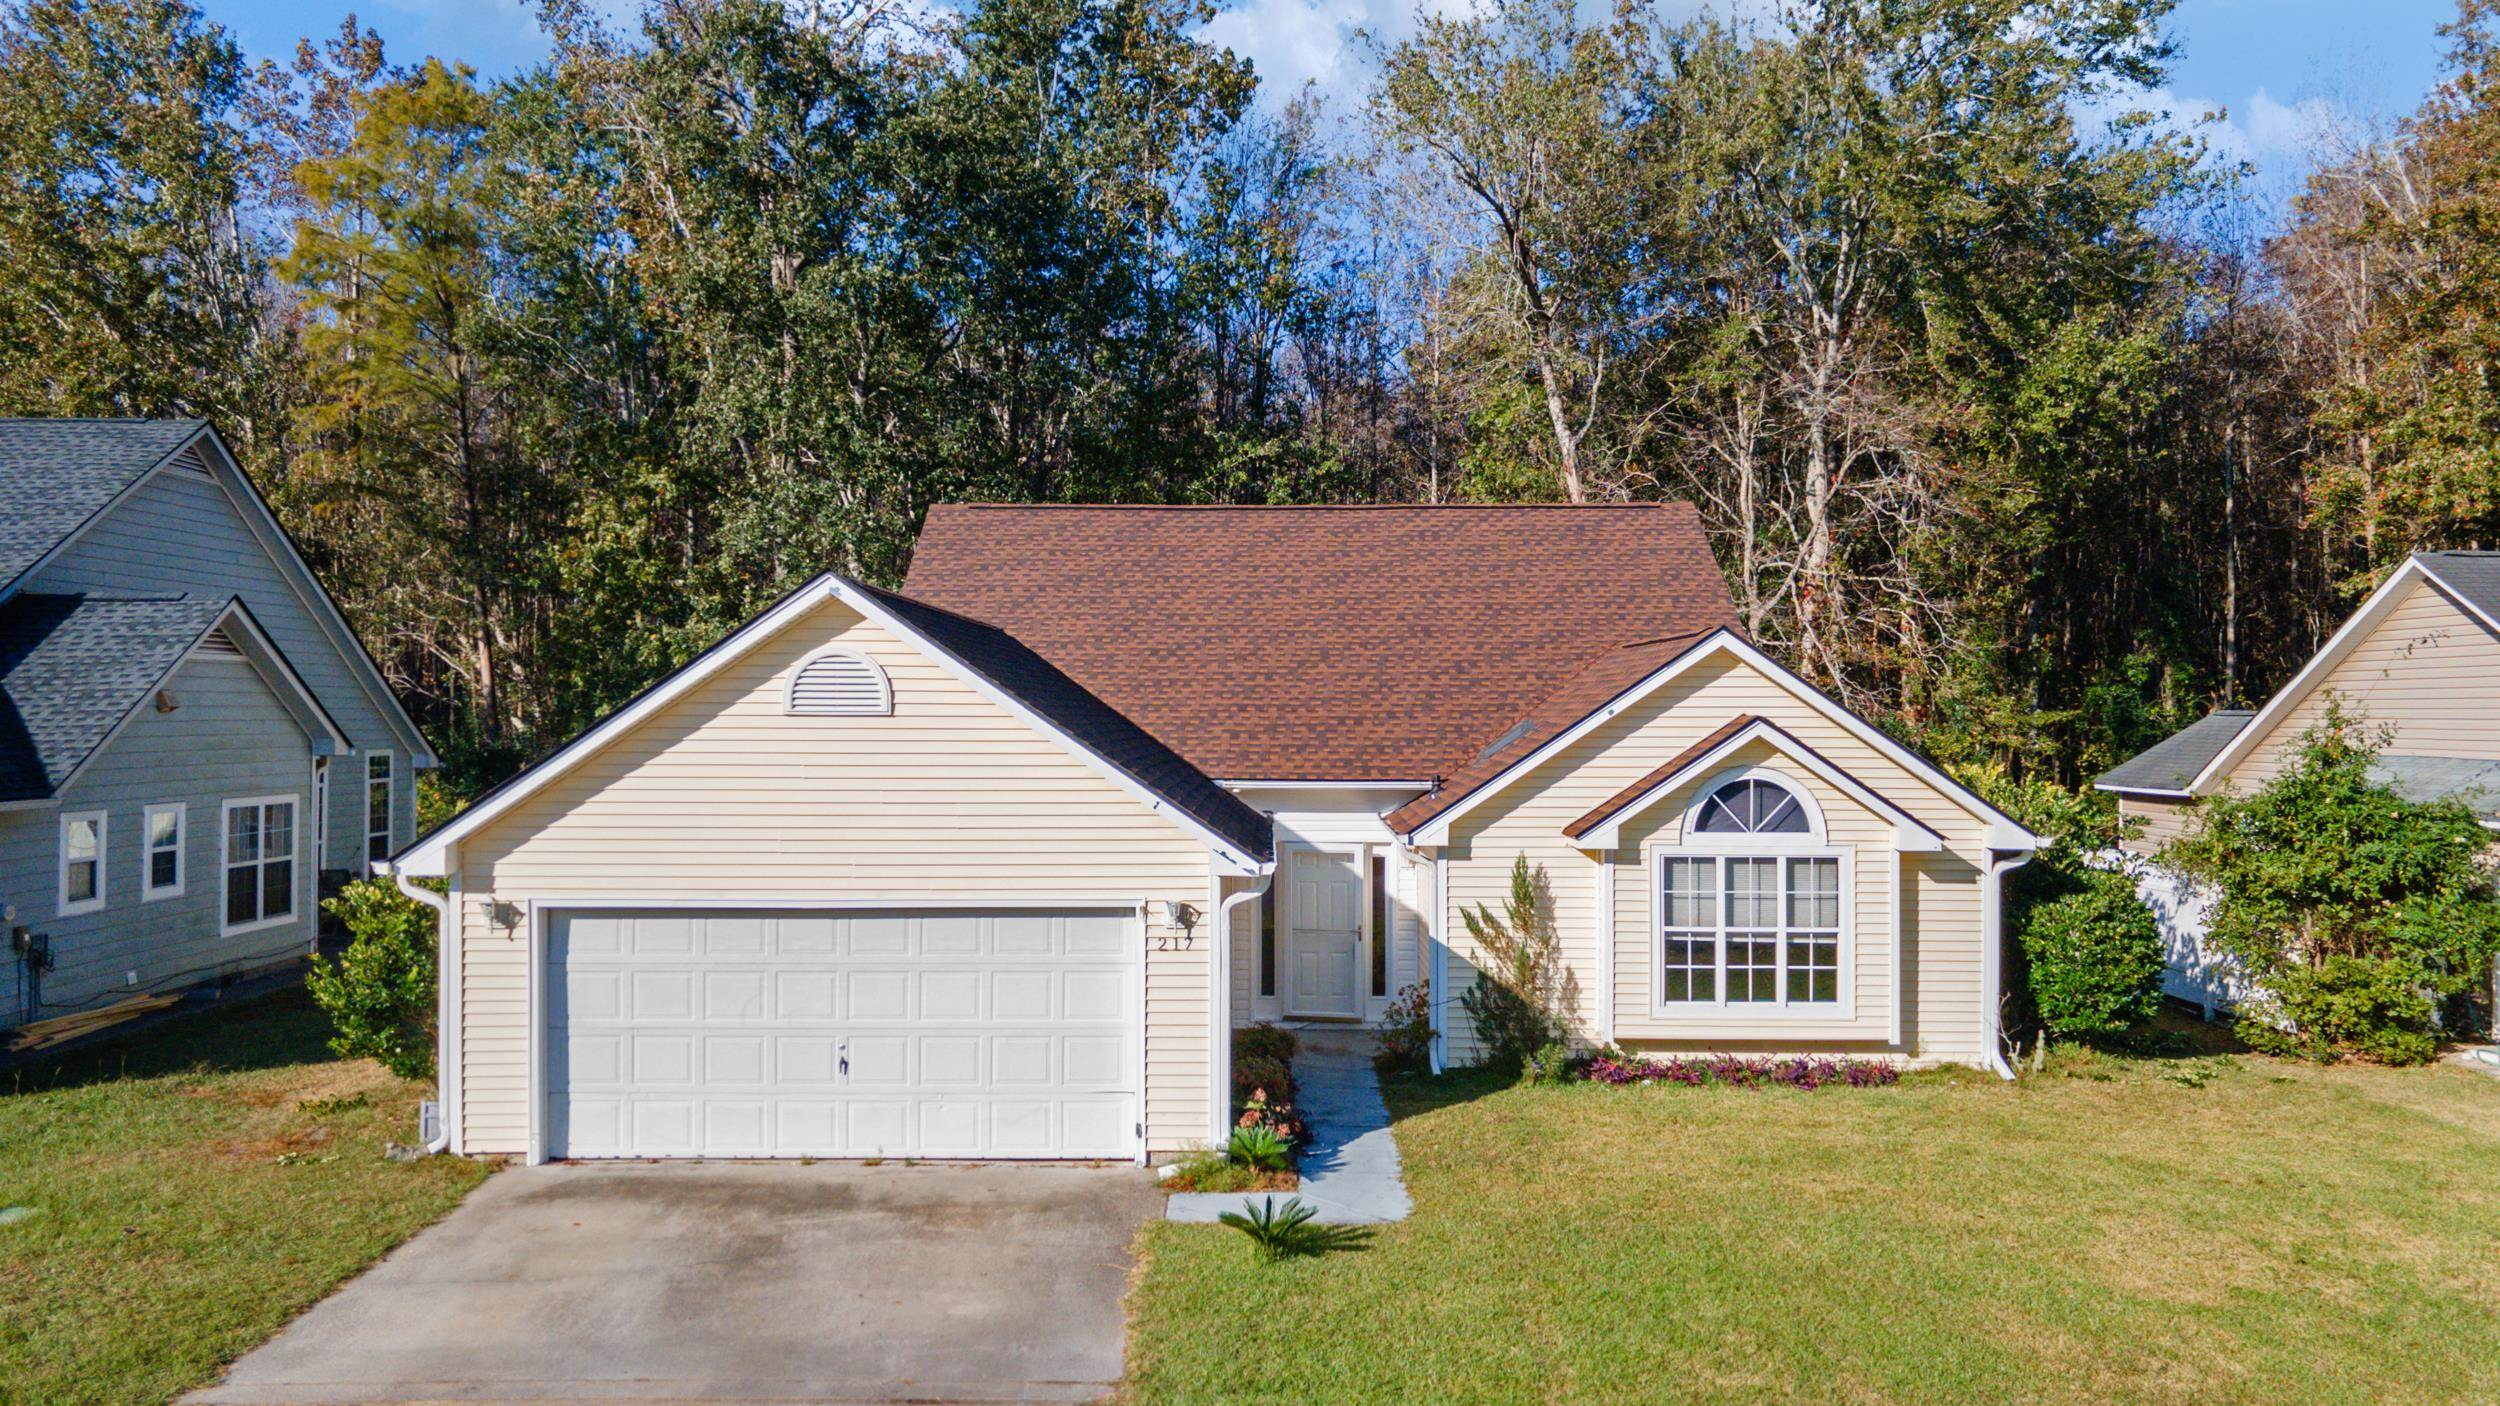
(259, 862)
(377, 807)
(1740, 928)
(82, 862)
(160, 834)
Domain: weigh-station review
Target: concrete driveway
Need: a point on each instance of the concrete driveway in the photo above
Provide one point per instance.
(733, 1282)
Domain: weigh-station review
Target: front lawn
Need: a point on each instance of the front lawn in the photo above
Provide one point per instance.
(2218, 1229)
(193, 1187)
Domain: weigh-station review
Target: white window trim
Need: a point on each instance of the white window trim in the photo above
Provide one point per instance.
(321, 813)
(364, 807)
(1692, 844)
(225, 864)
(148, 891)
(876, 671)
(103, 867)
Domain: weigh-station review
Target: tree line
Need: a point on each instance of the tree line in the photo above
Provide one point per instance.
(2013, 423)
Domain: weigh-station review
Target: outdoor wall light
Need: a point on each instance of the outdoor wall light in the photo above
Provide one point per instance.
(1180, 915)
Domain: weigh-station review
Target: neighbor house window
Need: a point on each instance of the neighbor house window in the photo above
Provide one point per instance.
(1380, 925)
(377, 807)
(1754, 921)
(82, 862)
(160, 834)
(259, 862)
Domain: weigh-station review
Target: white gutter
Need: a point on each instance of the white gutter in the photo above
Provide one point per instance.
(443, 939)
(1992, 956)
(1220, 1002)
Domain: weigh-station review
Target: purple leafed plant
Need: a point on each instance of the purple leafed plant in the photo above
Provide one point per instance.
(1762, 1071)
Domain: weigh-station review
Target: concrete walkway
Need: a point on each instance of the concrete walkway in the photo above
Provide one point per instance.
(1350, 1169)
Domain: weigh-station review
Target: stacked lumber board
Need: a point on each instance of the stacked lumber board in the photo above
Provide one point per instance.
(61, 1029)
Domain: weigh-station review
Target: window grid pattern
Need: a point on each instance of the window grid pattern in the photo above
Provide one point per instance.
(1750, 930)
(260, 862)
(164, 849)
(378, 807)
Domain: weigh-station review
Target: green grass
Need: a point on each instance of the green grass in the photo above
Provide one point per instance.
(195, 1186)
(2219, 1229)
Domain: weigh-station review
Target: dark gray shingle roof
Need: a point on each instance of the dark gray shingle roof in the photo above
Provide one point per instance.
(1038, 684)
(2425, 779)
(71, 667)
(2170, 764)
(56, 474)
(2473, 575)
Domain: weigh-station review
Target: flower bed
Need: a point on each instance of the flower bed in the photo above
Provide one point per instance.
(1761, 1071)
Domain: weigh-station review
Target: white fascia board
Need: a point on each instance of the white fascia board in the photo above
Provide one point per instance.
(1908, 832)
(2143, 791)
(430, 856)
(2337, 646)
(2003, 832)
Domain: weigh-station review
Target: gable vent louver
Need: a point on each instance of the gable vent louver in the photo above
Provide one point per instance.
(219, 643)
(840, 684)
(190, 462)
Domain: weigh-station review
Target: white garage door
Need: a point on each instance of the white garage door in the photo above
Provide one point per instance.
(890, 1034)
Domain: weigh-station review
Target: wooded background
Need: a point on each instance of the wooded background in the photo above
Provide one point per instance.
(2013, 421)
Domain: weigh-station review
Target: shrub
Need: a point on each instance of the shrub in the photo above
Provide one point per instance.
(380, 994)
(1281, 1232)
(1265, 1041)
(1551, 1064)
(1261, 1149)
(1265, 1110)
(1258, 1073)
(1795, 1072)
(2353, 907)
(1514, 1000)
(1406, 1034)
(2376, 1008)
(2094, 955)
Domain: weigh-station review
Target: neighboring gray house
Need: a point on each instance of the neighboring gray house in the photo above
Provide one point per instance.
(191, 738)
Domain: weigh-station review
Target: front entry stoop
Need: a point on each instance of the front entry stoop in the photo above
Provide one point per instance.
(1351, 1174)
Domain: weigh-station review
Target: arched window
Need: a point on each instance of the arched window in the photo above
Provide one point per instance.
(839, 683)
(1751, 906)
(1753, 806)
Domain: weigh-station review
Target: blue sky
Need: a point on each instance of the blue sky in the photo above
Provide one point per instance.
(2276, 66)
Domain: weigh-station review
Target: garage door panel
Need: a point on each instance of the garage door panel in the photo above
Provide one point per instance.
(807, 1034)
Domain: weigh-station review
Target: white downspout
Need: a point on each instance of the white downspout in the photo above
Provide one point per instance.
(1220, 1001)
(1992, 956)
(443, 940)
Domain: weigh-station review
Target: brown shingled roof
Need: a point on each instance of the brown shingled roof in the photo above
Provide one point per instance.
(1604, 679)
(1357, 643)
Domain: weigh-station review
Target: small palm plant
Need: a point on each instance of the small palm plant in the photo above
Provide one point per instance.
(1261, 1149)
(1276, 1232)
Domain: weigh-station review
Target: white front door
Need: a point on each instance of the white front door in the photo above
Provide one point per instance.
(1326, 913)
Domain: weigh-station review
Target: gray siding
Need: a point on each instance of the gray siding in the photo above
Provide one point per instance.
(181, 533)
(229, 738)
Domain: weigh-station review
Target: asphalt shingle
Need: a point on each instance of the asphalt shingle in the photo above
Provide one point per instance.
(2472, 575)
(56, 474)
(2170, 764)
(71, 667)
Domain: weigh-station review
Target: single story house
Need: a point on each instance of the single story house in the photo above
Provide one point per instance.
(190, 734)
(994, 865)
(2420, 658)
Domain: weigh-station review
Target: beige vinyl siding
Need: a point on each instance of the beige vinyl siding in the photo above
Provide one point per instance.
(722, 796)
(1942, 1014)
(1849, 825)
(2159, 822)
(2428, 670)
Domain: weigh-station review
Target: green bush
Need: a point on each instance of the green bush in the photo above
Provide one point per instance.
(1513, 1001)
(1264, 1041)
(1253, 1074)
(1261, 1149)
(1550, 1065)
(2094, 955)
(2376, 1008)
(1405, 1034)
(380, 994)
(2353, 907)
